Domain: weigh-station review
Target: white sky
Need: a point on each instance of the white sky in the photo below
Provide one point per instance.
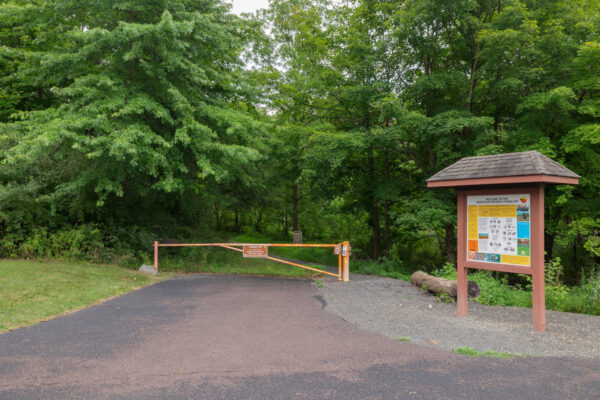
(241, 6)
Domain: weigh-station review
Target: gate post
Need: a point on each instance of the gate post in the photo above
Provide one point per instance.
(340, 264)
(156, 256)
(346, 260)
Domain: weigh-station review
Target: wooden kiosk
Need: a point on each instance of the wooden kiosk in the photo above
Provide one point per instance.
(501, 217)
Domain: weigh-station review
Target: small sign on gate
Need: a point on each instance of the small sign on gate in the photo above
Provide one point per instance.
(337, 249)
(256, 251)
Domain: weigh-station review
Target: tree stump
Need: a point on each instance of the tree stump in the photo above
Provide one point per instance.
(437, 285)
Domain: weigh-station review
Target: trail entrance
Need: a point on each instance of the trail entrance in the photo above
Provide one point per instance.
(261, 250)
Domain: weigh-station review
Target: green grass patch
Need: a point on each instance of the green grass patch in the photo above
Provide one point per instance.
(468, 351)
(387, 268)
(34, 291)
(403, 339)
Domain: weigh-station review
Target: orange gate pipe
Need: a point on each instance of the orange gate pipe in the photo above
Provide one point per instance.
(343, 260)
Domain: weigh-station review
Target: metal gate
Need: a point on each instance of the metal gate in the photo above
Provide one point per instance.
(261, 250)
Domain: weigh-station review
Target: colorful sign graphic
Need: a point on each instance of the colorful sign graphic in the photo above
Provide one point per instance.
(498, 229)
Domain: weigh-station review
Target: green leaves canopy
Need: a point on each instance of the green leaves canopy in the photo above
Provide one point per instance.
(141, 97)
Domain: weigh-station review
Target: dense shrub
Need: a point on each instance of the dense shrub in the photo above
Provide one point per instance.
(85, 242)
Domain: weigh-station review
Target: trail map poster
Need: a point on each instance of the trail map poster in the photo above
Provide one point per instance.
(498, 229)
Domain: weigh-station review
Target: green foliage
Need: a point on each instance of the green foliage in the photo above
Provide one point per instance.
(583, 299)
(146, 108)
(83, 243)
(499, 292)
(553, 272)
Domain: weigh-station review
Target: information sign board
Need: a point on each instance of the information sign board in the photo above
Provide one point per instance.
(256, 251)
(498, 229)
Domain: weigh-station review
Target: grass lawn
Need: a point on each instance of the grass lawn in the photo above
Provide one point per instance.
(34, 291)
(244, 266)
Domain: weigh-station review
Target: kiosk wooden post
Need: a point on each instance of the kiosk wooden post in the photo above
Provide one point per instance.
(462, 307)
(538, 288)
(500, 218)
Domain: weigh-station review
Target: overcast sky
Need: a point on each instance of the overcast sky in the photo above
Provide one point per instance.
(241, 6)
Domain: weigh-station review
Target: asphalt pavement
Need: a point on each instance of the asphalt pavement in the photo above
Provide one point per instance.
(236, 337)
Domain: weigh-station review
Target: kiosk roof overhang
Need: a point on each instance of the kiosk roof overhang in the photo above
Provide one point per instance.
(503, 169)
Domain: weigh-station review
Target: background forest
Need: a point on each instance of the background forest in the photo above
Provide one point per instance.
(124, 122)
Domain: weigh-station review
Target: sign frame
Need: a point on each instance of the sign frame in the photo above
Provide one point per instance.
(498, 266)
(255, 251)
(536, 242)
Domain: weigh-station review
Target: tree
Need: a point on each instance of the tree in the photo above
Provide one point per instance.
(148, 107)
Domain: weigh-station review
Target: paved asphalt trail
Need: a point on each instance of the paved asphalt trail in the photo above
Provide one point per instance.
(233, 337)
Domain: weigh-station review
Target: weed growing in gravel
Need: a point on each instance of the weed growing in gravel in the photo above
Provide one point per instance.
(468, 351)
(444, 298)
(319, 284)
(403, 339)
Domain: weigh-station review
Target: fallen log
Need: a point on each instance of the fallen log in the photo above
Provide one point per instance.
(442, 286)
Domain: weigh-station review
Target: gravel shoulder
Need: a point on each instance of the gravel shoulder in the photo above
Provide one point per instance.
(396, 308)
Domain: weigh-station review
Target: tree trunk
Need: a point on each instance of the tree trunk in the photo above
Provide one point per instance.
(295, 207)
(374, 210)
(450, 245)
(437, 285)
(376, 230)
(388, 240)
(386, 210)
(237, 227)
(548, 244)
(474, 55)
(217, 218)
(257, 225)
(576, 270)
(496, 137)
(431, 159)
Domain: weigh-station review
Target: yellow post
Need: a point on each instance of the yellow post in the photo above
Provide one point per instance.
(346, 261)
(340, 264)
(156, 256)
